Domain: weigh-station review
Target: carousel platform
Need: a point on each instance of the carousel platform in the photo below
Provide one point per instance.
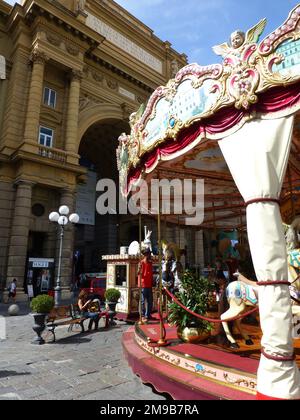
(205, 371)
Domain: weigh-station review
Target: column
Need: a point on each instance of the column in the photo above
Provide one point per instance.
(7, 199)
(67, 198)
(71, 145)
(35, 96)
(19, 233)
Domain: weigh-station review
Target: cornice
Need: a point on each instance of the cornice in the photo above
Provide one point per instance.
(5, 8)
(120, 13)
(59, 15)
(135, 27)
(105, 64)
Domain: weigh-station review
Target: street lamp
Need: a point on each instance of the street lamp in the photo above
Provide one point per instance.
(62, 218)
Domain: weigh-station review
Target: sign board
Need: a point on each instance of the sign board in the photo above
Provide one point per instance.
(86, 200)
(30, 290)
(40, 262)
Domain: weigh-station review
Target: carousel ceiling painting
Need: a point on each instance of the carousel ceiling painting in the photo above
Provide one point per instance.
(182, 121)
(208, 160)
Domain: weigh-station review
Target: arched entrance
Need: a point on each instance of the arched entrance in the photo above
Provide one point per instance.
(96, 234)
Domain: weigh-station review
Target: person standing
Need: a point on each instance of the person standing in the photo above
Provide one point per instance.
(12, 291)
(145, 279)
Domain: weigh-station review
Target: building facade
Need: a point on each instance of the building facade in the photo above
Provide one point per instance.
(74, 72)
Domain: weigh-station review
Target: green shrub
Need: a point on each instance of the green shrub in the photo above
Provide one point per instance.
(42, 304)
(194, 294)
(112, 295)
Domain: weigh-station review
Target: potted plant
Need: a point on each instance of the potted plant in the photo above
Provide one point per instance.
(41, 305)
(194, 295)
(112, 296)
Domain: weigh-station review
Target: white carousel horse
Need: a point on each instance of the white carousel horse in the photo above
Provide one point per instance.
(244, 292)
(241, 294)
(171, 266)
(146, 244)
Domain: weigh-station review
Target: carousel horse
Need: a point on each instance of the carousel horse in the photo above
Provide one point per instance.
(171, 266)
(244, 292)
(146, 244)
(241, 294)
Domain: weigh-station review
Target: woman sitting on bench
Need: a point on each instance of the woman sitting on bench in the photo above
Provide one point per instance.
(84, 305)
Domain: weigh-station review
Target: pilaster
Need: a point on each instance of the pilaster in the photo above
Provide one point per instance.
(32, 121)
(19, 232)
(73, 112)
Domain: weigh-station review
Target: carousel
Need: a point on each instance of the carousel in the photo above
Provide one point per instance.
(232, 131)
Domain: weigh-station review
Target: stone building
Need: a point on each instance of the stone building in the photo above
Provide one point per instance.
(74, 71)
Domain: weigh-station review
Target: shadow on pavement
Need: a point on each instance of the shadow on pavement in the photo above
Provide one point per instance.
(74, 339)
(7, 373)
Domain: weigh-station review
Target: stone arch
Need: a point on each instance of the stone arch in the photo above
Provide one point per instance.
(99, 127)
(97, 113)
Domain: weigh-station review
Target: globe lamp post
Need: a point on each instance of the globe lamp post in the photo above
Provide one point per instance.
(61, 217)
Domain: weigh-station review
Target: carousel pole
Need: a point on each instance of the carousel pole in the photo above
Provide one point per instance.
(215, 230)
(140, 284)
(179, 242)
(165, 298)
(161, 340)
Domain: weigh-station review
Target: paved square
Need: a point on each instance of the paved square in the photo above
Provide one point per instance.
(78, 366)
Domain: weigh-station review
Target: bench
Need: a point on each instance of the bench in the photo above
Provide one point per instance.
(71, 315)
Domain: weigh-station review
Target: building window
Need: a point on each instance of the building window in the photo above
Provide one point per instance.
(46, 136)
(38, 210)
(49, 97)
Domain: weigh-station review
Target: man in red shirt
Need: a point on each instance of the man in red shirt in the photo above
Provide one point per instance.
(145, 278)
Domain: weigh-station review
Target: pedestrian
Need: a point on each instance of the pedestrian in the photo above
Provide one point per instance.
(84, 305)
(145, 281)
(12, 291)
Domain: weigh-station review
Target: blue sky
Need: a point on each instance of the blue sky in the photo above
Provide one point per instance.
(194, 26)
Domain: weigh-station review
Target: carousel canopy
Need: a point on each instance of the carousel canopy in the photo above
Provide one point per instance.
(176, 134)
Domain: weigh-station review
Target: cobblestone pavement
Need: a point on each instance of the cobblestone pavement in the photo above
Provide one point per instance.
(78, 366)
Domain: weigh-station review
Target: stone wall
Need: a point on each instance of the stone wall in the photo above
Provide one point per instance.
(7, 196)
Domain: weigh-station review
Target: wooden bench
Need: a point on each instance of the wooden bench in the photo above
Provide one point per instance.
(70, 315)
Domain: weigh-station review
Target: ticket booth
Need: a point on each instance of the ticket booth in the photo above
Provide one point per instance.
(122, 274)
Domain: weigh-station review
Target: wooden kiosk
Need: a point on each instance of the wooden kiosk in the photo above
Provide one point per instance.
(122, 274)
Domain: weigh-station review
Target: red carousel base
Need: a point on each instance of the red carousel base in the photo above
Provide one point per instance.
(193, 371)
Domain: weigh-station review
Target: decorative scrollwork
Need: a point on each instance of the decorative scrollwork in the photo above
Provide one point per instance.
(240, 381)
(53, 39)
(72, 49)
(38, 56)
(76, 75)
